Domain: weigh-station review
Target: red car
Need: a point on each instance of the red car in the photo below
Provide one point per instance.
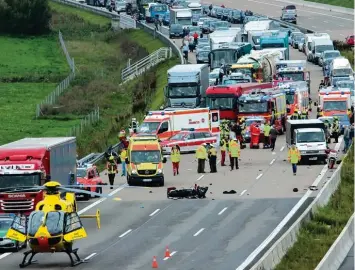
(350, 40)
(87, 176)
(188, 140)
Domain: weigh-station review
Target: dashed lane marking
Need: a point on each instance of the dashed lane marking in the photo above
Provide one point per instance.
(89, 257)
(282, 148)
(200, 231)
(222, 211)
(242, 193)
(259, 176)
(156, 211)
(198, 179)
(272, 161)
(125, 233)
(171, 255)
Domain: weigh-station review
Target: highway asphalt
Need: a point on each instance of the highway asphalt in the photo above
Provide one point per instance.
(348, 263)
(218, 232)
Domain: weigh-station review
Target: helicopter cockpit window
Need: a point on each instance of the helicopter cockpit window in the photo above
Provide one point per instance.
(55, 223)
(72, 222)
(34, 222)
(18, 224)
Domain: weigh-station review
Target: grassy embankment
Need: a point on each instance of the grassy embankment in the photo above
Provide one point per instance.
(30, 68)
(317, 236)
(100, 55)
(340, 3)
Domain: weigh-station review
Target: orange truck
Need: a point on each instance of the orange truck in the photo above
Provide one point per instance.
(334, 102)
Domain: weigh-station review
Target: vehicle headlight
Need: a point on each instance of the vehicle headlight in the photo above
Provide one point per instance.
(160, 171)
(134, 172)
(303, 152)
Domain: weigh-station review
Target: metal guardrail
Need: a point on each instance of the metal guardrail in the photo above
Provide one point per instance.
(340, 248)
(138, 68)
(127, 22)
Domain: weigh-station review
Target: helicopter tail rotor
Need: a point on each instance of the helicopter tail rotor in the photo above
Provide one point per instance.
(97, 216)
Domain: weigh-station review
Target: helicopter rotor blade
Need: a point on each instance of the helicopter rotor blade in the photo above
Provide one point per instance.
(83, 191)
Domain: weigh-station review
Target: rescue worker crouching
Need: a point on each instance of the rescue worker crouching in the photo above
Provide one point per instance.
(212, 155)
(201, 155)
(234, 153)
(175, 157)
(111, 167)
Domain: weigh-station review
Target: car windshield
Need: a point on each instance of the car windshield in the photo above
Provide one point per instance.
(20, 180)
(5, 224)
(145, 157)
(335, 106)
(80, 172)
(203, 54)
(337, 79)
(223, 56)
(342, 71)
(256, 40)
(148, 127)
(182, 90)
(331, 55)
(345, 84)
(253, 107)
(322, 48)
(308, 137)
(34, 222)
(178, 137)
(176, 27)
(297, 37)
(221, 103)
(272, 45)
(160, 8)
(290, 98)
(220, 24)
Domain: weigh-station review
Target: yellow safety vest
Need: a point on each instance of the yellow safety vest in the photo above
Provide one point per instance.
(223, 145)
(201, 152)
(175, 156)
(213, 152)
(267, 129)
(112, 168)
(335, 126)
(123, 155)
(234, 149)
(294, 155)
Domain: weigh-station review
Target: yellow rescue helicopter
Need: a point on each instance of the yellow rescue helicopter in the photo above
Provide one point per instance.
(54, 225)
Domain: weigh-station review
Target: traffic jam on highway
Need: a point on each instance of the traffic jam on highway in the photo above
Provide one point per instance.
(261, 111)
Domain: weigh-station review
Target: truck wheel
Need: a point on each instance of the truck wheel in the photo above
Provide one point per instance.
(129, 182)
(98, 190)
(87, 196)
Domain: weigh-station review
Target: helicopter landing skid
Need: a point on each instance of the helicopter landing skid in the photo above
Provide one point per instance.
(75, 253)
(29, 262)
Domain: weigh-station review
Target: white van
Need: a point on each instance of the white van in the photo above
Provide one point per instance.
(308, 38)
(318, 47)
(254, 37)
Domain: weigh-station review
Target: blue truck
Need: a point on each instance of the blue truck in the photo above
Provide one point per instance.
(275, 40)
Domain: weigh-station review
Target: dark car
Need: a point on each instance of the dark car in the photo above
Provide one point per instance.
(202, 57)
(290, 18)
(207, 26)
(236, 16)
(219, 13)
(176, 31)
(225, 14)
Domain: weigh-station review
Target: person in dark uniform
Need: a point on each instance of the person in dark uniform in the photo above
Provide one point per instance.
(212, 155)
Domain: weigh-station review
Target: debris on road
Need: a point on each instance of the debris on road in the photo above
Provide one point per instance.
(230, 192)
(196, 193)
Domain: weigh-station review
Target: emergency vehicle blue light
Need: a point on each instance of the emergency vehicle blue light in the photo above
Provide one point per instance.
(150, 113)
(342, 93)
(162, 113)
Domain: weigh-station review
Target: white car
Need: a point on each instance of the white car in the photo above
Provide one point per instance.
(213, 76)
(120, 6)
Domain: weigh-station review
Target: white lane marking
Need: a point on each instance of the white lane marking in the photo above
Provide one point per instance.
(341, 25)
(198, 179)
(259, 176)
(302, 10)
(241, 194)
(313, 26)
(101, 200)
(200, 231)
(278, 228)
(325, 21)
(125, 233)
(282, 148)
(272, 161)
(222, 211)
(171, 255)
(2, 256)
(89, 257)
(156, 211)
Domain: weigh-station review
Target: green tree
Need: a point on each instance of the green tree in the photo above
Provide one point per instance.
(29, 17)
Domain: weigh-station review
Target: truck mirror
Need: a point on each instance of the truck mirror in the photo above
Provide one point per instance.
(166, 91)
(127, 161)
(164, 160)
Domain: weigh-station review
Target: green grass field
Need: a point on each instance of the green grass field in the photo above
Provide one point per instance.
(340, 3)
(18, 105)
(32, 59)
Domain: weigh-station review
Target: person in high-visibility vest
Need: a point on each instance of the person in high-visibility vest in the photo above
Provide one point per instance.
(175, 159)
(267, 129)
(201, 155)
(304, 114)
(295, 115)
(294, 157)
(234, 153)
(212, 155)
(123, 156)
(111, 167)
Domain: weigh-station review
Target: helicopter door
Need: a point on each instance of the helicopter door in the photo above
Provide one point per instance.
(18, 229)
(73, 228)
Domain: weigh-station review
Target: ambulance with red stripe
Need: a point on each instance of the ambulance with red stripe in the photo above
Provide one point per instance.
(269, 104)
(145, 161)
(334, 101)
(167, 123)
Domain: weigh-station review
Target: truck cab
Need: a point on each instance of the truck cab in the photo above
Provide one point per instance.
(145, 161)
(309, 137)
(275, 40)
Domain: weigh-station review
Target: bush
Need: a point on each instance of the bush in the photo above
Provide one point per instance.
(29, 17)
(341, 45)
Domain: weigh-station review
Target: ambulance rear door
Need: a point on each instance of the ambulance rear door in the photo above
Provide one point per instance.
(214, 122)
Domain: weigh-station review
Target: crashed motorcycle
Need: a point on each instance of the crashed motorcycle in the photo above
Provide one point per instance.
(194, 193)
(332, 158)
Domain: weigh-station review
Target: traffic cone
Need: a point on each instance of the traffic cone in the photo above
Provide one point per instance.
(167, 253)
(154, 263)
